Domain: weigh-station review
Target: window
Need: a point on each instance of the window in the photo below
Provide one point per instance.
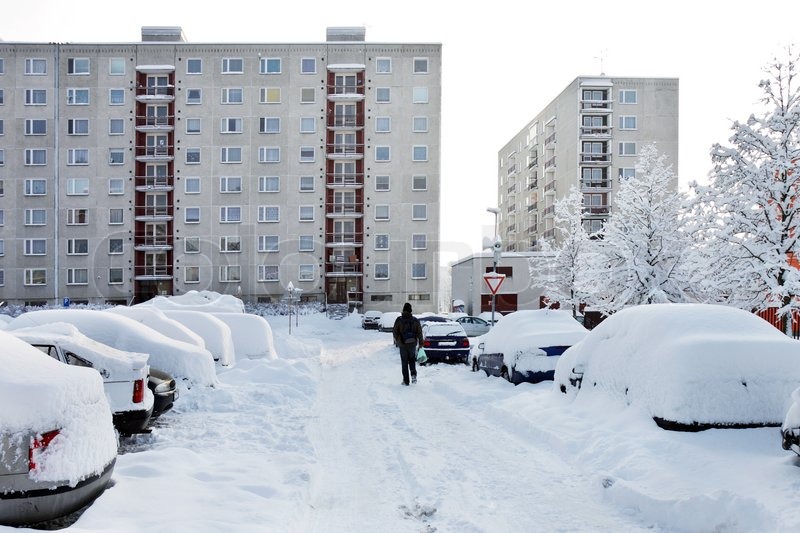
(35, 97)
(306, 183)
(306, 213)
(270, 65)
(307, 95)
(78, 156)
(420, 124)
(2, 157)
(232, 95)
(77, 217)
(116, 66)
(383, 153)
(191, 245)
(194, 96)
(627, 148)
(35, 247)
(419, 153)
(2, 188)
(420, 65)
(78, 65)
(305, 243)
(306, 273)
(2, 248)
(2, 277)
(419, 212)
(231, 125)
(420, 95)
(35, 187)
(77, 186)
(383, 95)
(115, 276)
(382, 241)
(77, 96)
(269, 213)
(35, 276)
(627, 173)
(116, 126)
(3, 217)
(382, 212)
(36, 127)
(381, 271)
(116, 96)
(270, 95)
(268, 243)
(418, 271)
(269, 154)
(383, 65)
(116, 156)
(269, 125)
(383, 124)
(193, 156)
(78, 247)
(78, 126)
(230, 273)
(35, 156)
(230, 244)
(230, 214)
(627, 122)
(115, 216)
(35, 67)
(381, 183)
(308, 65)
(193, 126)
(230, 184)
(232, 65)
(192, 186)
(2, 127)
(2, 97)
(308, 125)
(115, 246)
(269, 184)
(230, 154)
(627, 96)
(191, 215)
(267, 273)
(419, 241)
(307, 154)
(419, 183)
(194, 66)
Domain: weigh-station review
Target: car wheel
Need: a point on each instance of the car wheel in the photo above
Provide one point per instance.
(504, 374)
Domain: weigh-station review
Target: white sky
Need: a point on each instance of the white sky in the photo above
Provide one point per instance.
(501, 64)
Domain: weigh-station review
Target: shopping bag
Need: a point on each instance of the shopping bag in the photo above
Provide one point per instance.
(421, 356)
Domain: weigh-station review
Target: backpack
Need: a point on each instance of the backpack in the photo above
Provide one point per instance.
(407, 332)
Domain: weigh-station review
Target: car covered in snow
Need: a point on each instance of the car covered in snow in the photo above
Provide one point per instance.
(790, 429)
(474, 326)
(445, 342)
(689, 366)
(387, 320)
(371, 320)
(57, 441)
(525, 346)
(125, 374)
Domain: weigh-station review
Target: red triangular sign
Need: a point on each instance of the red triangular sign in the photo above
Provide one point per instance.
(494, 280)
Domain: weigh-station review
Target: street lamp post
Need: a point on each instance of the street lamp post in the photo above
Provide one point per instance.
(496, 247)
(290, 289)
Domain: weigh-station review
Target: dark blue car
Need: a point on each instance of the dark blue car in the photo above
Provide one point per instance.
(445, 342)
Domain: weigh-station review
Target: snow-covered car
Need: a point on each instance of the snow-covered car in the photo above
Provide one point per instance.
(790, 429)
(164, 390)
(474, 326)
(124, 373)
(690, 366)
(371, 320)
(487, 316)
(387, 320)
(445, 342)
(526, 345)
(215, 333)
(57, 441)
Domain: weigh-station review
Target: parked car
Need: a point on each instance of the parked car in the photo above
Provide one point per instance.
(487, 316)
(790, 429)
(164, 389)
(690, 366)
(474, 326)
(57, 442)
(387, 320)
(430, 317)
(525, 346)
(371, 320)
(124, 373)
(445, 342)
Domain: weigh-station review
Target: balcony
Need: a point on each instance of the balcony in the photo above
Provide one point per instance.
(343, 269)
(152, 272)
(597, 210)
(345, 151)
(596, 131)
(159, 123)
(533, 162)
(512, 189)
(550, 164)
(591, 158)
(595, 106)
(347, 91)
(533, 207)
(347, 122)
(147, 243)
(344, 210)
(550, 234)
(595, 185)
(550, 210)
(533, 228)
(162, 153)
(161, 93)
(550, 187)
(550, 139)
(153, 213)
(345, 180)
(336, 239)
(154, 183)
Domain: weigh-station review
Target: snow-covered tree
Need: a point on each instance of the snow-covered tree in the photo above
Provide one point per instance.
(749, 210)
(641, 256)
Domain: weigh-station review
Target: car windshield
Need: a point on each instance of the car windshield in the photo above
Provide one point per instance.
(444, 330)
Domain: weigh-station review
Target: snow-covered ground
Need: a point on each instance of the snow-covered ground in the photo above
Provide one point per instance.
(324, 438)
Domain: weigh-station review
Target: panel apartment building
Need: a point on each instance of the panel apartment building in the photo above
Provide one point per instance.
(137, 169)
(589, 137)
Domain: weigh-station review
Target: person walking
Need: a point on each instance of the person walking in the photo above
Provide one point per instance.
(407, 334)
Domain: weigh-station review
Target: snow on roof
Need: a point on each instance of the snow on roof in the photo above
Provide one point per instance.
(153, 317)
(209, 301)
(690, 363)
(47, 395)
(252, 335)
(347, 66)
(216, 333)
(180, 359)
(525, 331)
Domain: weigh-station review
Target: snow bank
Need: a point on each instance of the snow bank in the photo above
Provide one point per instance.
(47, 395)
(156, 319)
(690, 363)
(252, 335)
(215, 333)
(180, 359)
(208, 301)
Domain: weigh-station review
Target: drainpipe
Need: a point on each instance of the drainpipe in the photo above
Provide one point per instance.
(57, 177)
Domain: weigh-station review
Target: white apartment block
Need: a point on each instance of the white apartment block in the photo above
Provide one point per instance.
(589, 137)
(136, 169)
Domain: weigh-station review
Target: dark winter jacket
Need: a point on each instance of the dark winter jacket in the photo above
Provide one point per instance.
(399, 323)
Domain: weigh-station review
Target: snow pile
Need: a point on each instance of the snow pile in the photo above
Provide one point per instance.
(48, 395)
(689, 363)
(155, 319)
(180, 359)
(214, 332)
(208, 301)
(252, 335)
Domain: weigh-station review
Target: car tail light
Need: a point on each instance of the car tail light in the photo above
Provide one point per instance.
(40, 443)
(138, 391)
(465, 343)
(426, 343)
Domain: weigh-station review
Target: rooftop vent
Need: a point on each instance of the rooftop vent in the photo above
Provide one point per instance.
(355, 33)
(163, 34)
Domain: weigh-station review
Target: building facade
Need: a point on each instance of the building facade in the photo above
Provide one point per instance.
(160, 167)
(589, 137)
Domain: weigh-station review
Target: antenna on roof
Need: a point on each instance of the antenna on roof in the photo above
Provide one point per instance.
(602, 58)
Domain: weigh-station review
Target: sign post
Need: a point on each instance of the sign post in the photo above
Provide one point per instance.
(493, 281)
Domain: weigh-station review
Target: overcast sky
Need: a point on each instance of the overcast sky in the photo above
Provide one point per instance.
(503, 61)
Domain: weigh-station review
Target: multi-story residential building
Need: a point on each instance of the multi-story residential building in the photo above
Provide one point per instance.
(135, 169)
(589, 137)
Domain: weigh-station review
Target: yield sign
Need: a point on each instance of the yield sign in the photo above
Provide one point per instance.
(494, 280)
